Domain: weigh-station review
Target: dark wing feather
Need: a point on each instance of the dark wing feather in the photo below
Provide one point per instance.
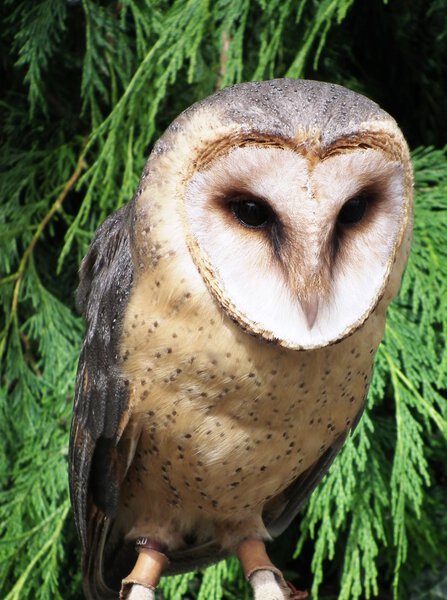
(101, 399)
(300, 490)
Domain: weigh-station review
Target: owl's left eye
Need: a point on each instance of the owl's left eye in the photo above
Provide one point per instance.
(353, 210)
(250, 212)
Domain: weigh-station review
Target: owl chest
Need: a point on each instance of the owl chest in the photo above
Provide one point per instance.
(229, 421)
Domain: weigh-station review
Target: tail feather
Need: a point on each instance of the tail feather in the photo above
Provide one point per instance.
(105, 563)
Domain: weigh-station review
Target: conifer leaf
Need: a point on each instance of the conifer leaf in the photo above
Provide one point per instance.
(39, 27)
(88, 87)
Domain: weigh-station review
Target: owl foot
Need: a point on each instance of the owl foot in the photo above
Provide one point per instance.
(270, 585)
(140, 584)
(266, 586)
(139, 592)
(266, 580)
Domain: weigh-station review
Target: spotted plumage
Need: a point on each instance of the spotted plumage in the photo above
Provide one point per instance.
(233, 311)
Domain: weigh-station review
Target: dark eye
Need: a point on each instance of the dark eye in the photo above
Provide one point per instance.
(251, 213)
(353, 210)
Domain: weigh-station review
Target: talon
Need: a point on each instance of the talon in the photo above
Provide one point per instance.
(296, 594)
(266, 580)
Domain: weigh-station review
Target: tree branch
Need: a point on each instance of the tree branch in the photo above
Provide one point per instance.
(223, 59)
(18, 276)
(29, 250)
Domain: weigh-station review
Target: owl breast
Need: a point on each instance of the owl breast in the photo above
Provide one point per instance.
(227, 420)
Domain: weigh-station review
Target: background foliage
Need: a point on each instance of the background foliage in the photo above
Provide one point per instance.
(89, 87)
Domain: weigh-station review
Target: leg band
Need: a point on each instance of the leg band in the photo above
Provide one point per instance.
(149, 567)
(145, 543)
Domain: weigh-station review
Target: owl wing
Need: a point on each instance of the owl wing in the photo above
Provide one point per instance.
(300, 490)
(101, 408)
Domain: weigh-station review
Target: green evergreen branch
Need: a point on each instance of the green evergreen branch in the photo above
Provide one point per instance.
(18, 276)
(327, 11)
(24, 536)
(38, 34)
(136, 64)
(422, 403)
(17, 590)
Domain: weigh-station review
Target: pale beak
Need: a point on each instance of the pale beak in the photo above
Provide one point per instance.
(310, 309)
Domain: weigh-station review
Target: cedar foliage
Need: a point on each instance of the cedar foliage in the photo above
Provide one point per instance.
(88, 86)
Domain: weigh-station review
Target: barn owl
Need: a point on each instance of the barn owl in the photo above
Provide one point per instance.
(233, 310)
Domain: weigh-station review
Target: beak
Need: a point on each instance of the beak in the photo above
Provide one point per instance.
(310, 309)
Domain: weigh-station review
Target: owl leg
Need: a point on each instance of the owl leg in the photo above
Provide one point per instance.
(266, 580)
(140, 584)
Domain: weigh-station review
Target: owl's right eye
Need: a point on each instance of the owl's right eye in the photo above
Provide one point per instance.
(251, 213)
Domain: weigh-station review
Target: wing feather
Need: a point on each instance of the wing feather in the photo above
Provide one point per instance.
(300, 490)
(101, 397)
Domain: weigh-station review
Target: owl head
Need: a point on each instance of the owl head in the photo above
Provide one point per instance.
(293, 201)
